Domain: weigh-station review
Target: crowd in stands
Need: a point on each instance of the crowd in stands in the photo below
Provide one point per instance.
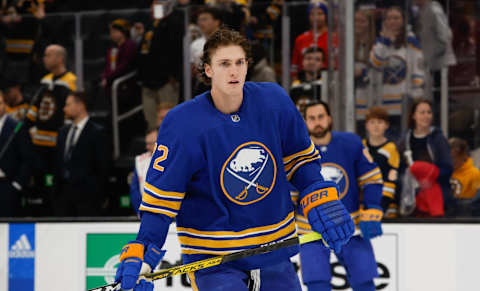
(59, 162)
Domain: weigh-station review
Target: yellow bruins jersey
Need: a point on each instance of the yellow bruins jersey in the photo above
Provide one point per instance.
(465, 180)
(47, 113)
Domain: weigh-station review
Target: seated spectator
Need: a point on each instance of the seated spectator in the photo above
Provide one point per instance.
(317, 12)
(308, 82)
(385, 154)
(142, 162)
(302, 103)
(81, 167)
(17, 106)
(425, 152)
(465, 179)
(120, 57)
(397, 54)
(259, 70)
(15, 169)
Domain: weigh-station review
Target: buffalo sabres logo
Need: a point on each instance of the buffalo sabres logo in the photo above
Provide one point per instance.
(248, 175)
(335, 173)
(396, 70)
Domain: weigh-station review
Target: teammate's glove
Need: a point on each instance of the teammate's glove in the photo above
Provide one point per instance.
(135, 260)
(327, 215)
(370, 222)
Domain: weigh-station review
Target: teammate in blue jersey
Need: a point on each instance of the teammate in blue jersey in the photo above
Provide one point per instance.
(221, 169)
(348, 163)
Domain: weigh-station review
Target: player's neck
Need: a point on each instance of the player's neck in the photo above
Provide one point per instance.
(376, 140)
(59, 70)
(226, 103)
(320, 141)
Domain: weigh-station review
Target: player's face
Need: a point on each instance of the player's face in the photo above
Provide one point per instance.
(376, 127)
(313, 62)
(423, 116)
(318, 121)
(227, 70)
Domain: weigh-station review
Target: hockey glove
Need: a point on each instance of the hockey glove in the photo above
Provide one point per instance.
(134, 260)
(327, 215)
(370, 222)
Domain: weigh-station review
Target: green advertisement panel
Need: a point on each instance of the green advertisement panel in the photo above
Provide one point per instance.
(103, 256)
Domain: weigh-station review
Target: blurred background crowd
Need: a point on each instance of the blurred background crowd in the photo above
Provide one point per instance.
(91, 81)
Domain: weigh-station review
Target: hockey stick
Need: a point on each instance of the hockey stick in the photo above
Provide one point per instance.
(195, 266)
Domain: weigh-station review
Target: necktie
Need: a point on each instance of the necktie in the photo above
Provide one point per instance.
(69, 149)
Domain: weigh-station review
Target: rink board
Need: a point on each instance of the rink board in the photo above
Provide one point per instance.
(77, 256)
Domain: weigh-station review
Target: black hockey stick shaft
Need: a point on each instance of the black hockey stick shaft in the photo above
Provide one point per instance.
(203, 264)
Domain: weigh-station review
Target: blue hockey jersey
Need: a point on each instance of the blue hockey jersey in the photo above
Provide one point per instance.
(224, 176)
(348, 163)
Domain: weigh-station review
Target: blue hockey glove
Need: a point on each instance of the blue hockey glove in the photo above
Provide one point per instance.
(370, 222)
(134, 260)
(327, 215)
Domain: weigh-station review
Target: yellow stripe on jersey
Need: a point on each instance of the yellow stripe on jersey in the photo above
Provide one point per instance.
(163, 194)
(157, 210)
(292, 171)
(291, 158)
(235, 243)
(147, 198)
(291, 165)
(236, 234)
(371, 177)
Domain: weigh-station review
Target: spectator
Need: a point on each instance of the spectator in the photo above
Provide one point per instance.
(428, 150)
(120, 57)
(309, 80)
(17, 106)
(317, 12)
(81, 162)
(397, 54)
(364, 40)
(15, 162)
(209, 20)
(158, 83)
(162, 110)
(436, 40)
(21, 27)
(45, 118)
(259, 70)
(385, 154)
(465, 179)
(235, 13)
(142, 162)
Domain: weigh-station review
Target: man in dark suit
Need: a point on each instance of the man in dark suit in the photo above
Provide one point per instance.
(82, 162)
(15, 163)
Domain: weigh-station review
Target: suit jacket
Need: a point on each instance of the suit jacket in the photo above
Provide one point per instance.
(18, 158)
(88, 165)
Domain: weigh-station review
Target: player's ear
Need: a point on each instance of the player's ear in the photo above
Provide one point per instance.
(208, 70)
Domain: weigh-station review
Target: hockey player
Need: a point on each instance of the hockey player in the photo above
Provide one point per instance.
(220, 167)
(347, 163)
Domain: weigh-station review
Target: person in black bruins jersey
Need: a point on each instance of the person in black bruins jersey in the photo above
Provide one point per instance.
(385, 154)
(46, 117)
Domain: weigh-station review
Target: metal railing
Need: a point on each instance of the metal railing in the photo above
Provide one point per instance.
(116, 117)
